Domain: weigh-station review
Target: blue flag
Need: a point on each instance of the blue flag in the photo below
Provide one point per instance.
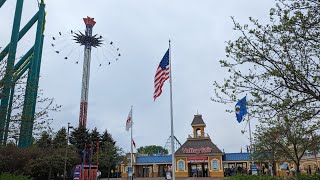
(241, 109)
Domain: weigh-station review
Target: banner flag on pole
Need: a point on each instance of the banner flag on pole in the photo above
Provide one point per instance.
(241, 109)
(134, 144)
(129, 121)
(162, 74)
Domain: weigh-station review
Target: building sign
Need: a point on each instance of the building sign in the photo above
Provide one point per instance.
(197, 159)
(254, 170)
(196, 150)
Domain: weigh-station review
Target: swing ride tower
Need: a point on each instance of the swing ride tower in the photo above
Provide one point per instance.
(88, 41)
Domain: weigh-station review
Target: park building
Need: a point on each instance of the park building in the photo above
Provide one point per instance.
(200, 157)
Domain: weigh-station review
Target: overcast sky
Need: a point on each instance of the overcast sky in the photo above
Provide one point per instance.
(198, 30)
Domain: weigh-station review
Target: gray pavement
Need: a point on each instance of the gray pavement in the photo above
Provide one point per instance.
(162, 178)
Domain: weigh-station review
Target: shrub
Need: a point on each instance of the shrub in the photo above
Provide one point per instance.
(249, 177)
(309, 177)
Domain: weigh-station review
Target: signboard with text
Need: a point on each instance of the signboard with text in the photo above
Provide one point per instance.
(197, 150)
(197, 159)
(254, 170)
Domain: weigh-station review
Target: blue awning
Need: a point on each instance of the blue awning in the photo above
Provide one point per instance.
(236, 157)
(154, 159)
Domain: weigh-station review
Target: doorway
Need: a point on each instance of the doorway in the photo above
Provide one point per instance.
(198, 170)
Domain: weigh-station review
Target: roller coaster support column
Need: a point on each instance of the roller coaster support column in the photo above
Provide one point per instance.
(10, 67)
(25, 138)
(2, 2)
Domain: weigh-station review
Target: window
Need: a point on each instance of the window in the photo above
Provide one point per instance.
(181, 166)
(215, 165)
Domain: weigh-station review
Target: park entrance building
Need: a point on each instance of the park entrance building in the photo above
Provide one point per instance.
(198, 156)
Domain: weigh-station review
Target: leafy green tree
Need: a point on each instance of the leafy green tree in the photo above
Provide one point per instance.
(109, 156)
(284, 139)
(50, 163)
(43, 109)
(14, 159)
(277, 64)
(152, 150)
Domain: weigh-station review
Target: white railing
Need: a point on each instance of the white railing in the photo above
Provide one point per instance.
(193, 136)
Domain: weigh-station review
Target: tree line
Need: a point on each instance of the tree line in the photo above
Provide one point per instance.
(45, 158)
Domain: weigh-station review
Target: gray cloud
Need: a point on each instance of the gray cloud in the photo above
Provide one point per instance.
(141, 28)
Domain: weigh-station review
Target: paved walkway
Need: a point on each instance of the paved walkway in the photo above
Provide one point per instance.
(162, 178)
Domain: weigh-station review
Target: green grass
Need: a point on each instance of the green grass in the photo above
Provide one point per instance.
(8, 176)
(300, 177)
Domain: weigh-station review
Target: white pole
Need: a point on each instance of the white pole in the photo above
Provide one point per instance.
(131, 146)
(172, 136)
(250, 138)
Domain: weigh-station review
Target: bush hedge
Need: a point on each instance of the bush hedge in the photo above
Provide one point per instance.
(299, 177)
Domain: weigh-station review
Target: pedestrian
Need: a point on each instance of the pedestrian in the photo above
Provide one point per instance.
(270, 170)
(293, 171)
(309, 169)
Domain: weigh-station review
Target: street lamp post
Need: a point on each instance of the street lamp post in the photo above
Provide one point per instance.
(66, 155)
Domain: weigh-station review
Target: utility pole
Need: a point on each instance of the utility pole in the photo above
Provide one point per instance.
(66, 155)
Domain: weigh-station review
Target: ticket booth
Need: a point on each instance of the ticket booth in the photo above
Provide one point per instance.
(85, 172)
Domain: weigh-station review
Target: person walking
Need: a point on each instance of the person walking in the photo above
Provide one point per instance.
(293, 171)
(309, 169)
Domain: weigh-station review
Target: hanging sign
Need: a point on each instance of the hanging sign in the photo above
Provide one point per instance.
(197, 159)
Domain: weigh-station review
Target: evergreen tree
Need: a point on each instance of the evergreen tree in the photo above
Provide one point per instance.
(60, 139)
(95, 136)
(107, 137)
(45, 140)
(80, 138)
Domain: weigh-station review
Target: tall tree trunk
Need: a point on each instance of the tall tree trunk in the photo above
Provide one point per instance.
(274, 168)
(298, 167)
(108, 173)
(49, 176)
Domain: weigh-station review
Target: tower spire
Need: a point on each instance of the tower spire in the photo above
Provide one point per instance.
(88, 41)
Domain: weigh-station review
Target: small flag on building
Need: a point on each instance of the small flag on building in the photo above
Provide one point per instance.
(162, 74)
(129, 121)
(241, 109)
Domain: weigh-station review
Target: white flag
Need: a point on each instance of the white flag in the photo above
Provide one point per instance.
(129, 121)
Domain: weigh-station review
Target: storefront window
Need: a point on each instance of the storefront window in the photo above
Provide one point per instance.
(181, 166)
(215, 165)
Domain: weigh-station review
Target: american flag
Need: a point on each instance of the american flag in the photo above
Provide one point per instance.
(162, 74)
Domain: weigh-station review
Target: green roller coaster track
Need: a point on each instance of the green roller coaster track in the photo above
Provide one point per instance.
(31, 61)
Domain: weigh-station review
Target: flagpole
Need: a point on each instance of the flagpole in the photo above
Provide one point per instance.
(171, 110)
(250, 133)
(131, 178)
(250, 150)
